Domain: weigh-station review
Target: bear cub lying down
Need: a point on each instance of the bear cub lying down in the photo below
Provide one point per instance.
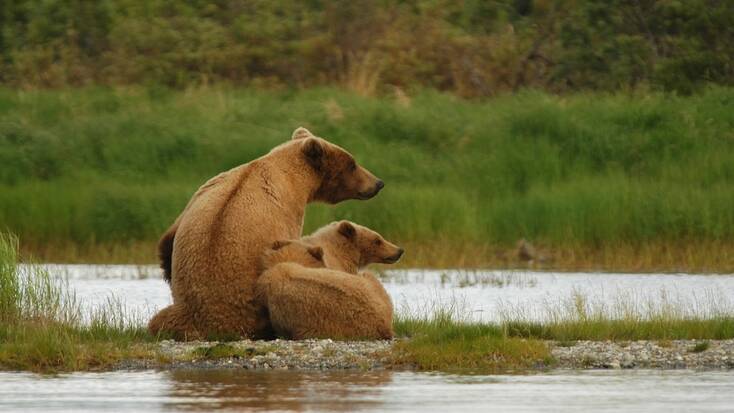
(312, 287)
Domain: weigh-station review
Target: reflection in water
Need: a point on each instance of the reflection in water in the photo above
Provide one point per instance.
(242, 390)
(204, 390)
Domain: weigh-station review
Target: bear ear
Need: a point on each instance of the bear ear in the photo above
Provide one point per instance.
(347, 229)
(280, 244)
(316, 252)
(313, 151)
(301, 133)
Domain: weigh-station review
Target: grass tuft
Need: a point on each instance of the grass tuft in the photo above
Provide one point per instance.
(441, 339)
(42, 328)
(701, 347)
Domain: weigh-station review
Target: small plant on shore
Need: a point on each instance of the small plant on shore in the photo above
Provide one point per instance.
(445, 341)
(701, 347)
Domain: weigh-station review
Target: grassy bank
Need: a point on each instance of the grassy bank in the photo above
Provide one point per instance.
(644, 177)
(43, 328)
(442, 338)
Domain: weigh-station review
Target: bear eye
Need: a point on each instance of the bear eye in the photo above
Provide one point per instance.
(352, 165)
(378, 242)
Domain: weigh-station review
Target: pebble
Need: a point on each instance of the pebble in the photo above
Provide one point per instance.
(277, 354)
(644, 354)
(366, 355)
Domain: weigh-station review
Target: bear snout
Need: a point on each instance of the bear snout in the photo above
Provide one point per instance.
(369, 194)
(394, 258)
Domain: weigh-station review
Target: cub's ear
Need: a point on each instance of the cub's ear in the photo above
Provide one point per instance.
(301, 133)
(313, 151)
(316, 252)
(280, 244)
(347, 229)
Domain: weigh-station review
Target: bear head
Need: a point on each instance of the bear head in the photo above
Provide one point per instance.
(341, 177)
(348, 246)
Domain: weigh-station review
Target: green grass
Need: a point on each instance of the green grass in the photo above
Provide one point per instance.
(42, 327)
(585, 172)
(440, 338)
(701, 347)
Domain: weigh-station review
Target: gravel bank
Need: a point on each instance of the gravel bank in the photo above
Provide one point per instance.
(660, 354)
(276, 354)
(366, 355)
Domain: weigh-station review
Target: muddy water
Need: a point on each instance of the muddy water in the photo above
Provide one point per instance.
(566, 391)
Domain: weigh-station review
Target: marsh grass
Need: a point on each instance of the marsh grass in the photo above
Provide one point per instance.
(615, 181)
(630, 317)
(42, 327)
(442, 337)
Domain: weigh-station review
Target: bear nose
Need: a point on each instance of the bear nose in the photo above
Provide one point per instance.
(380, 184)
(400, 252)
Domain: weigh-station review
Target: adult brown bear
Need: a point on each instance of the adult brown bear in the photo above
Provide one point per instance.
(211, 252)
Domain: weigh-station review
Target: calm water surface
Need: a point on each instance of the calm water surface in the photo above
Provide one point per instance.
(481, 295)
(149, 391)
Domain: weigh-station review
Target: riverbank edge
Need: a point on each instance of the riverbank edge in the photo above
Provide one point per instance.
(705, 257)
(325, 355)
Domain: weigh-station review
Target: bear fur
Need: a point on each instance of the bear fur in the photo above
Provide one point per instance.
(348, 246)
(212, 251)
(339, 302)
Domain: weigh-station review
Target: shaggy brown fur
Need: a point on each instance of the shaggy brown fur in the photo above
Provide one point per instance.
(293, 251)
(219, 237)
(349, 246)
(338, 302)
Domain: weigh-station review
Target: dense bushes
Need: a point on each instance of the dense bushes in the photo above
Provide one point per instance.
(472, 47)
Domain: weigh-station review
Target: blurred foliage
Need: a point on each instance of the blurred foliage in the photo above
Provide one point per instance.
(104, 165)
(471, 47)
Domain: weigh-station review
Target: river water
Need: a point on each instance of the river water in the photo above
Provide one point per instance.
(486, 296)
(564, 391)
(476, 295)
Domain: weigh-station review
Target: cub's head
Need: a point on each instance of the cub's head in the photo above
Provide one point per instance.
(349, 246)
(293, 251)
(341, 177)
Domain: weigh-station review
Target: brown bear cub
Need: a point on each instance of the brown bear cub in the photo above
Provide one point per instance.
(336, 302)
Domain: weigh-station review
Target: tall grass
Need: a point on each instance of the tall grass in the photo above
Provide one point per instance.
(42, 327)
(627, 318)
(442, 338)
(582, 172)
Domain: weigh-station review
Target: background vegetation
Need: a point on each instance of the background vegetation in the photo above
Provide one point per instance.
(471, 47)
(600, 130)
(115, 166)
